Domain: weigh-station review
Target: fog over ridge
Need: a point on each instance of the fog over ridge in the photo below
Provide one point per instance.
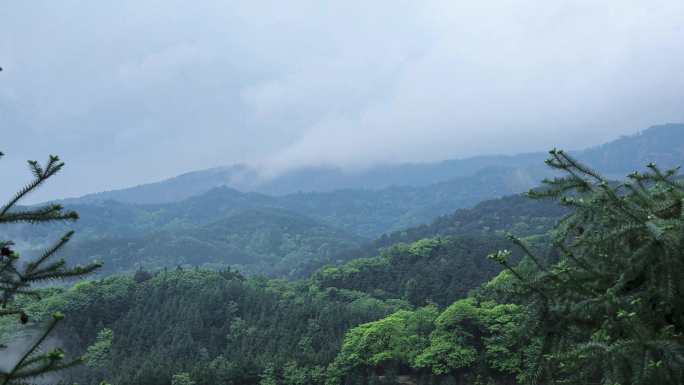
(138, 91)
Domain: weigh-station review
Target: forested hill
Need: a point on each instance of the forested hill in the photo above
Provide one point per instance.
(281, 243)
(441, 261)
(585, 302)
(485, 223)
(262, 234)
(366, 213)
(258, 241)
(663, 144)
(514, 214)
(222, 328)
(226, 227)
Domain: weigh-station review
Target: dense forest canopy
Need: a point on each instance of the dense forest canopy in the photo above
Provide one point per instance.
(582, 288)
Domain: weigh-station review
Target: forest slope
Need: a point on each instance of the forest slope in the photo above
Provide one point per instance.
(411, 310)
(186, 232)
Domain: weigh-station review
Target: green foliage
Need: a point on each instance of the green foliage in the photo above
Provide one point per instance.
(611, 310)
(469, 339)
(17, 278)
(424, 247)
(182, 379)
(218, 327)
(264, 241)
(294, 374)
(449, 347)
(603, 307)
(394, 340)
(268, 377)
(98, 354)
(490, 218)
(438, 270)
(467, 331)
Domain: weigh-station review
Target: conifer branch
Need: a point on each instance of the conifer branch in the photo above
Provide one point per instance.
(12, 374)
(621, 287)
(14, 282)
(44, 214)
(48, 253)
(51, 168)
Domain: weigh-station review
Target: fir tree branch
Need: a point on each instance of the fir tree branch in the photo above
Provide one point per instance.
(43, 214)
(52, 167)
(12, 281)
(56, 317)
(48, 253)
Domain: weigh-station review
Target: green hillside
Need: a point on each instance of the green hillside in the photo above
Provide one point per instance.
(267, 241)
(186, 232)
(167, 234)
(580, 300)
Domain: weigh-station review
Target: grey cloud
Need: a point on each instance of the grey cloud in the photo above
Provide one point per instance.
(134, 91)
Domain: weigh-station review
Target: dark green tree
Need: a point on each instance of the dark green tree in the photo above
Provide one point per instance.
(18, 277)
(611, 309)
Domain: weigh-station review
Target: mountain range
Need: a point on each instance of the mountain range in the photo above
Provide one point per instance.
(198, 219)
(663, 144)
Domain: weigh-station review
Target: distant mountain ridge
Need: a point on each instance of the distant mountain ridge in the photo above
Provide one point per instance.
(364, 213)
(330, 226)
(663, 144)
(257, 233)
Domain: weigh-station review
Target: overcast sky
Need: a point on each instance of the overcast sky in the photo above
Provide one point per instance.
(132, 91)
